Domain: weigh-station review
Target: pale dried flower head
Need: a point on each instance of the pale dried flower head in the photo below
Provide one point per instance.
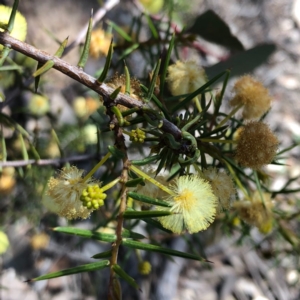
(185, 77)
(120, 81)
(222, 186)
(253, 95)
(193, 204)
(256, 145)
(65, 192)
(257, 212)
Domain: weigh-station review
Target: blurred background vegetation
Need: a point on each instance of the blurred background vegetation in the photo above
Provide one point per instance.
(60, 125)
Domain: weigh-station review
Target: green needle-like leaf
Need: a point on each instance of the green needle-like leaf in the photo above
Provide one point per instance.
(43, 68)
(127, 81)
(95, 235)
(120, 31)
(84, 268)
(198, 91)
(145, 161)
(135, 182)
(107, 63)
(115, 152)
(104, 254)
(145, 214)
(166, 64)
(147, 199)
(118, 270)
(153, 81)
(155, 248)
(118, 114)
(105, 237)
(46, 67)
(11, 21)
(3, 54)
(86, 48)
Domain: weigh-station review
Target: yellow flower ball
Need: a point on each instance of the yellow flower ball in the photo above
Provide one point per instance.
(20, 25)
(144, 267)
(193, 204)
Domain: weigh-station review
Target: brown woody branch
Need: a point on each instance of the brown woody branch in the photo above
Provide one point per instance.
(79, 75)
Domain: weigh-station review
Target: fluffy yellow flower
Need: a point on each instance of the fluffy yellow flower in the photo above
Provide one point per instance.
(253, 95)
(185, 77)
(256, 145)
(256, 212)
(71, 197)
(20, 25)
(222, 186)
(100, 43)
(193, 204)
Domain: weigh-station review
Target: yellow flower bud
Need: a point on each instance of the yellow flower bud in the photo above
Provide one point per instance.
(144, 267)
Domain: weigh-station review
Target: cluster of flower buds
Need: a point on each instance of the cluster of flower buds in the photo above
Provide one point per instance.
(93, 197)
(137, 135)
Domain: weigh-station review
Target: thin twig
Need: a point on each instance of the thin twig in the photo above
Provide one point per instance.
(79, 75)
(45, 162)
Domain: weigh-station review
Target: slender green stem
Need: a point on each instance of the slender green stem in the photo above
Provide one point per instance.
(258, 185)
(229, 116)
(197, 103)
(197, 168)
(110, 185)
(217, 141)
(237, 180)
(152, 180)
(98, 165)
